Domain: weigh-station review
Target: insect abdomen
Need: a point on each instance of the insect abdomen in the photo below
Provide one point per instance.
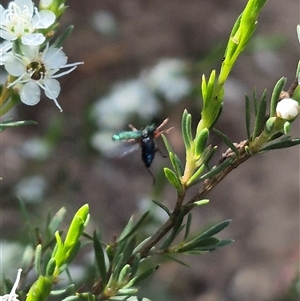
(127, 135)
(148, 151)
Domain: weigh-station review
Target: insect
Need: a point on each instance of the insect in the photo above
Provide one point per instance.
(145, 137)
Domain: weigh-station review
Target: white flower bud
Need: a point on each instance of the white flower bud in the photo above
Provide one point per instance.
(287, 109)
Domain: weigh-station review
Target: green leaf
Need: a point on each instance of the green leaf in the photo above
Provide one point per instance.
(30, 231)
(131, 228)
(260, 116)
(117, 268)
(126, 247)
(200, 142)
(224, 242)
(255, 101)
(69, 289)
(139, 278)
(76, 228)
(210, 86)
(167, 144)
(127, 292)
(87, 297)
(231, 46)
(173, 179)
(201, 202)
(198, 243)
(286, 127)
(100, 258)
(217, 170)
(124, 273)
(204, 87)
(51, 267)
(7, 124)
(210, 248)
(284, 143)
(188, 225)
(27, 256)
(37, 259)
(72, 298)
(215, 229)
(136, 261)
(227, 141)
(61, 39)
(248, 117)
(71, 254)
(296, 94)
(270, 123)
(177, 260)
(138, 248)
(195, 178)
(174, 159)
(162, 206)
(131, 298)
(40, 289)
(275, 95)
(206, 156)
(174, 232)
(197, 203)
(56, 221)
(176, 163)
(186, 129)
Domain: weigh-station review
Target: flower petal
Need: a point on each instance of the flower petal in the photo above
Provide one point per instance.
(4, 48)
(54, 58)
(25, 5)
(44, 19)
(31, 52)
(52, 88)
(30, 93)
(287, 109)
(33, 39)
(7, 35)
(14, 66)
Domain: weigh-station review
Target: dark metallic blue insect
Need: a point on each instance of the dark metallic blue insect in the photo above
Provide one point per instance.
(145, 138)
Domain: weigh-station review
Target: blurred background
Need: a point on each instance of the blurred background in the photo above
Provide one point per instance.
(143, 60)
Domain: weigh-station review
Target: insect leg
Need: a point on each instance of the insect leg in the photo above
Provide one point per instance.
(152, 175)
(132, 127)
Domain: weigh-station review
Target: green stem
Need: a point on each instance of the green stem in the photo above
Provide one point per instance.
(264, 137)
(180, 207)
(6, 99)
(10, 103)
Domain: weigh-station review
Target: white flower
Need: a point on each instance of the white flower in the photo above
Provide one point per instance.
(35, 70)
(13, 296)
(104, 22)
(35, 148)
(31, 189)
(126, 98)
(168, 79)
(287, 109)
(21, 20)
(4, 48)
(102, 142)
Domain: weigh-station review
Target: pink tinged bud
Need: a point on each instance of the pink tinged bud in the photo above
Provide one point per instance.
(287, 109)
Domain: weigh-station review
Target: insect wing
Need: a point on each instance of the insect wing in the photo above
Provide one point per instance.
(124, 149)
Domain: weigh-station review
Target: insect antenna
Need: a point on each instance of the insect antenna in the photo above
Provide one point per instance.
(158, 133)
